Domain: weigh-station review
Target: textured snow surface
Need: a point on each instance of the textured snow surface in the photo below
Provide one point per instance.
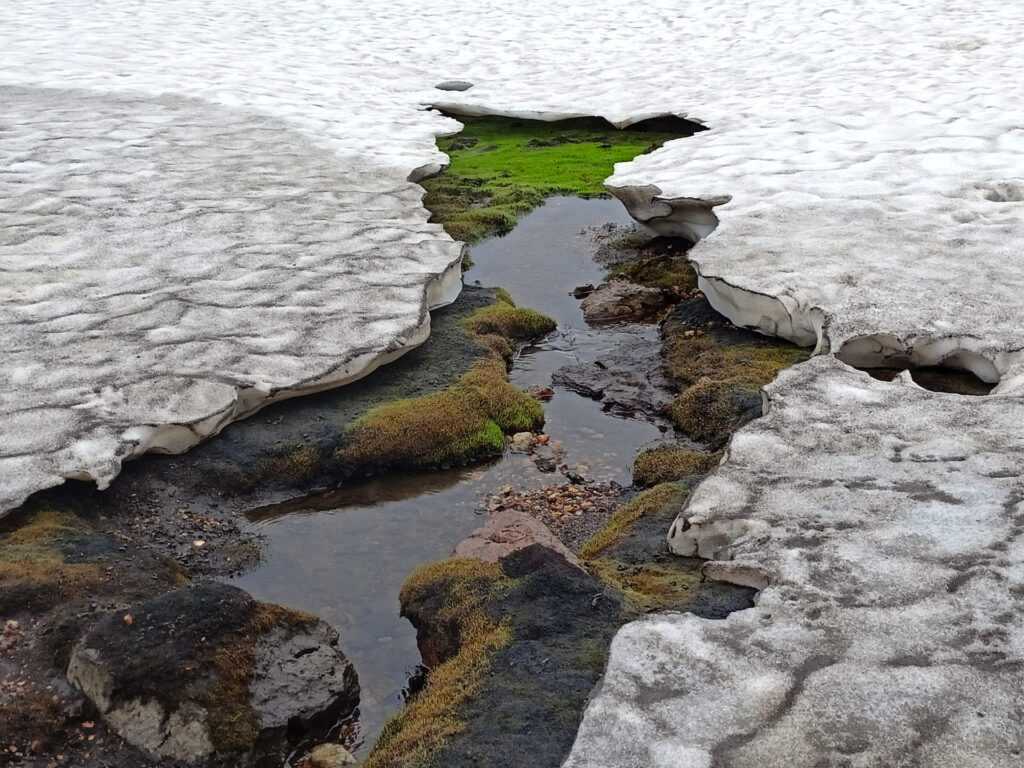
(888, 523)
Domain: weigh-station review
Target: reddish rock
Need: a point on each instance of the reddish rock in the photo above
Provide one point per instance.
(506, 532)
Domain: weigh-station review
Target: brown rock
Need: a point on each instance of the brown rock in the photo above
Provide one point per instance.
(621, 300)
(507, 532)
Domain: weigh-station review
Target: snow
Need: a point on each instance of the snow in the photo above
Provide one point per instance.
(206, 205)
(886, 534)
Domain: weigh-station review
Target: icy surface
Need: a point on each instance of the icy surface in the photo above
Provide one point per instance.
(888, 525)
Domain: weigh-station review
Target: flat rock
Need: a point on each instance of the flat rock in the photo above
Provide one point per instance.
(882, 524)
(161, 675)
(622, 300)
(509, 531)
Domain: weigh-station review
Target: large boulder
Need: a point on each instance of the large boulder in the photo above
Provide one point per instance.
(209, 676)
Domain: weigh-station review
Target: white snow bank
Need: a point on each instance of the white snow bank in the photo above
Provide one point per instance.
(884, 523)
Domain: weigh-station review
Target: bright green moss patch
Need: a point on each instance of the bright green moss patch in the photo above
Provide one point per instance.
(502, 168)
(646, 503)
(448, 601)
(668, 463)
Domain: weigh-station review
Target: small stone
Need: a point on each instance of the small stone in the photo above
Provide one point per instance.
(523, 442)
(582, 291)
(544, 394)
(543, 439)
(10, 627)
(328, 756)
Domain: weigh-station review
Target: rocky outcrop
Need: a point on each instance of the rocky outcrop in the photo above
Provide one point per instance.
(208, 676)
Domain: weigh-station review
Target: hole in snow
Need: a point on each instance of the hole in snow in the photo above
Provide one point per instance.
(940, 366)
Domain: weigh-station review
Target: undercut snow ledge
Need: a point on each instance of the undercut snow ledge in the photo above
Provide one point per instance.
(885, 526)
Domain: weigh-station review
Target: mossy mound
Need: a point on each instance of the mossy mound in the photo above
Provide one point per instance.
(48, 556)
(463, 423)
(449, 603)
(666, 463)
(502, 168)
(656, 262)
(719, 370)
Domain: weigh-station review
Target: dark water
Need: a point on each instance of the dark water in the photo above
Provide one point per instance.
(343, 555)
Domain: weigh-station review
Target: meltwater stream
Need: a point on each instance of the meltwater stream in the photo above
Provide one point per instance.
(344, 554)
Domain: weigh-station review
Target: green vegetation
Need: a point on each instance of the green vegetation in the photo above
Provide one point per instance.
(449, 602)
(667, 463)
(48, 556)
(465, 422)
(657, 262)
(720, 370)
(646, 503)
(502, 168)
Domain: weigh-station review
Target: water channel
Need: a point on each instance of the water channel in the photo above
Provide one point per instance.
(344, 554)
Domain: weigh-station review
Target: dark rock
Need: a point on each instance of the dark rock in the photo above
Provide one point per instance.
(582, 291)
(629, 379)
(454, 85)
(209, 676)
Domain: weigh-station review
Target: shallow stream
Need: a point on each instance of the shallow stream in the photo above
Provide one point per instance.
(344, 554)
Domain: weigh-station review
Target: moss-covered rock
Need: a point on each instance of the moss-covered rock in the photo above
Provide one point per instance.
(208, 676)
(463, 423)
(719, 370)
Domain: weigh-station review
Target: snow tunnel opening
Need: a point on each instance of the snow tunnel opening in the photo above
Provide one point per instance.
(939, 366)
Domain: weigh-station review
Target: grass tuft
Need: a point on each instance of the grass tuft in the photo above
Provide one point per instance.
(648, 502)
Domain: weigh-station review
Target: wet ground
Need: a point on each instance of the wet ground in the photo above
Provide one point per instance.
(344, 554)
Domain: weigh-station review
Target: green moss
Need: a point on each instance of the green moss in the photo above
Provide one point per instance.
(649, 586)
(670, 273)
(667, 463)
(505, 320)
(720, 373)
(463, 423)
(646, 503)
(448, 601)
(293, 465)
(502, 168)
(48, 556)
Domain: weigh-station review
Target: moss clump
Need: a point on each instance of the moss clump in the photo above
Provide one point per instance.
(449, 602)
(463, 423)
(646, 503)
(720, 370)
(507, 321)
(502, 168)
(293, 465)
(667, 463)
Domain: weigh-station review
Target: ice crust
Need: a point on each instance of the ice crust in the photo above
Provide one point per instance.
(885, 526)
(206, 205)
